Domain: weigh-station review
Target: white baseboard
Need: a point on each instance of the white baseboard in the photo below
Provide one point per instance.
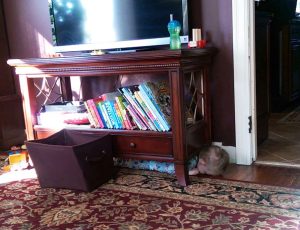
(230, 149)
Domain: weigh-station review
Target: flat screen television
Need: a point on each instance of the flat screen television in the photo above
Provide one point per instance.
(298, 8)
(82, 25)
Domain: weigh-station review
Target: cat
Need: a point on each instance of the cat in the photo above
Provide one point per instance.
(213, 160)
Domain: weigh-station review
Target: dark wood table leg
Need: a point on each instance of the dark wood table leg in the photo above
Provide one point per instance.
(176, 79)
(181, 173)
(29, 105)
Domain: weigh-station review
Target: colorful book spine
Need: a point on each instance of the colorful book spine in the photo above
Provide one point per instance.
(119, 116)
(155, 90)
(115, 115)
(132, 107)
(129, 96)
(154, 109)
(123, 111)
(91, 120)
(105, 115)
(111, 114)
(101, 116)
(148, 111)
(93, 114)
(92, 104)
(95, 102)
(131, 124)
(135, 117)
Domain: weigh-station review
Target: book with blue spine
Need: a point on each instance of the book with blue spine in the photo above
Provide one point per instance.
(96, 101)
(159, 94)
(129, 96)
(115, 115)
(110, 110)
(154, 109)
(119, 116)
(111, 114)
(105, 115)
(100, 115)
(124, 112)
(153, 118)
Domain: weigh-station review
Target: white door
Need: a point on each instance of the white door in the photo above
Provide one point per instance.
(244, 80)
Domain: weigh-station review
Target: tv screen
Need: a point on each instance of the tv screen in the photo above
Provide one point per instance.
(114, 24)
(298, 8)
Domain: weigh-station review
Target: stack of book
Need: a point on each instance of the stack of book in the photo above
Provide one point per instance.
(62, 113)
(145, 107)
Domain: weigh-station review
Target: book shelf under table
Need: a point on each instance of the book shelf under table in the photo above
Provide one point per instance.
(148, 145)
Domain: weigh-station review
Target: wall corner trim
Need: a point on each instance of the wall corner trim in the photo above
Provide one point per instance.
(242, 57)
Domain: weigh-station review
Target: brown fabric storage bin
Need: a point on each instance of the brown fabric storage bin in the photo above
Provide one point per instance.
(72, 159)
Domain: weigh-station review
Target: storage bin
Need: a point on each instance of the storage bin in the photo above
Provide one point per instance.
(72, 159)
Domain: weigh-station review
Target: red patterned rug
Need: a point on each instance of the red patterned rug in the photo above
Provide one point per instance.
(149, 200)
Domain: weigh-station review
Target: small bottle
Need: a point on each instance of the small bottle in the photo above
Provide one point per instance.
(174, 28)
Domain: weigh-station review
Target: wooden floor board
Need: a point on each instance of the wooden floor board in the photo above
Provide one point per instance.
(260, 174)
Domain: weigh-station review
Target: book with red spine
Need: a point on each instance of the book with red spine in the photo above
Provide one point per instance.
(90, 117)
(148, 111)
(124, 113)
(129, 96)
(92, 103)
(140, 124)
(93, 113)
(106, 118)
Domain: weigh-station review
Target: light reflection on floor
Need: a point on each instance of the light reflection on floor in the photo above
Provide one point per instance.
(7, 177)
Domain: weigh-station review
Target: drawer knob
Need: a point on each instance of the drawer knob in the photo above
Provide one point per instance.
(132, 145)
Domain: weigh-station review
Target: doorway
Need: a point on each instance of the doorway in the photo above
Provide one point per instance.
(277, 47)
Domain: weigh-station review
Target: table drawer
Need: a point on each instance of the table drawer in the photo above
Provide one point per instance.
(161, 146)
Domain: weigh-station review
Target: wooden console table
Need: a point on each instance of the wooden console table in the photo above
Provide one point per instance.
(186, 67)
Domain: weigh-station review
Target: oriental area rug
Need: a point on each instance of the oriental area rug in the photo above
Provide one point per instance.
(144, 200)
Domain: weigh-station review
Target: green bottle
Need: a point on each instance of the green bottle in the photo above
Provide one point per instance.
(174, 28)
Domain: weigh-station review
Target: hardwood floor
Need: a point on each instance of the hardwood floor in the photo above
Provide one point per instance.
(262, 174)
(283, 144)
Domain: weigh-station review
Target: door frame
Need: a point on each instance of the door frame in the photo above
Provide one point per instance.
(243, 23)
